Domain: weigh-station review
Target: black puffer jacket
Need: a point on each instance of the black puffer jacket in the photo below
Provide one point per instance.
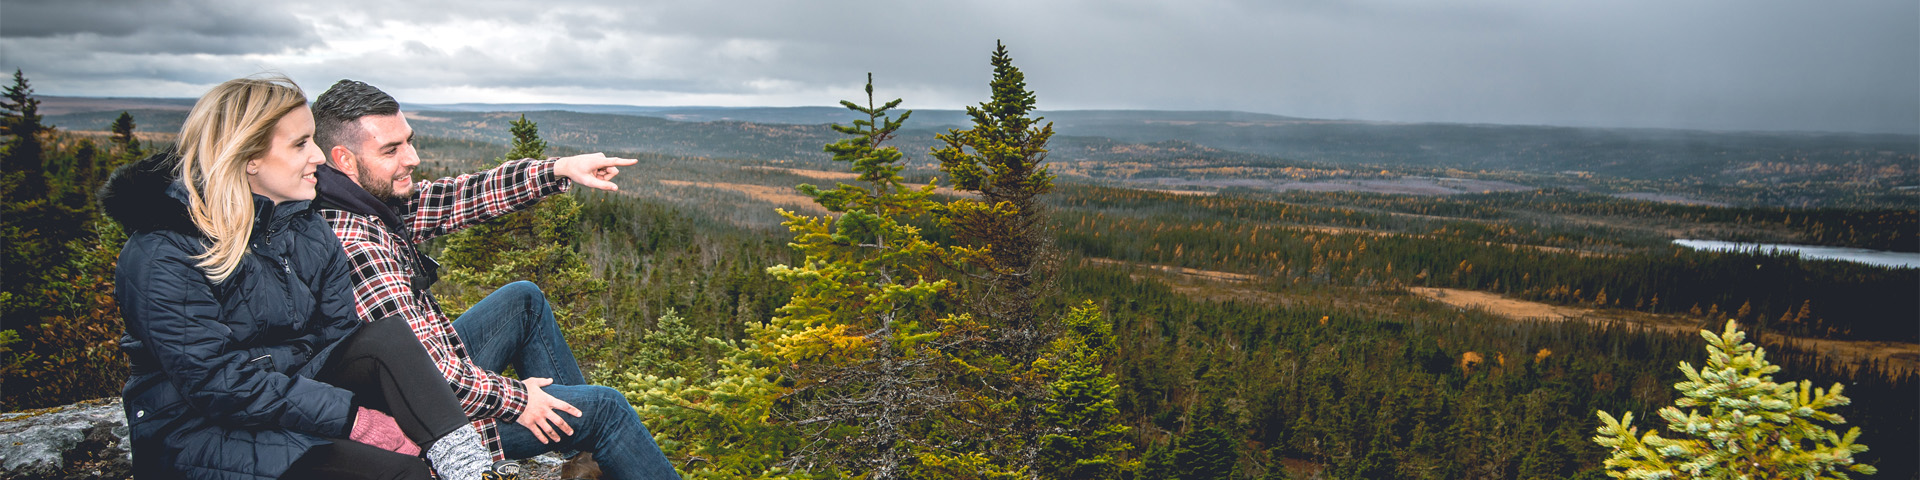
(222, 383)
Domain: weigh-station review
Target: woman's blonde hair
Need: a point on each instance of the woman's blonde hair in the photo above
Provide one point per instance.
(229, 126)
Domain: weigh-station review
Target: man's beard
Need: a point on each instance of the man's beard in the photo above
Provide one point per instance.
(381, 189)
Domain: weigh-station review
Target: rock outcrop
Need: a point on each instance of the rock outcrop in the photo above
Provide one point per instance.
(86, 440)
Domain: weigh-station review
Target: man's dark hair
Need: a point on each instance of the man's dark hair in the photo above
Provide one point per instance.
(335, 112)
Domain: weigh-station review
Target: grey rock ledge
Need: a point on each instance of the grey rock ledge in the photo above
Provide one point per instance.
(86, 440)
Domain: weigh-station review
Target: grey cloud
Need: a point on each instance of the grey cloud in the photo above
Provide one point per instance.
(359, 13)
(1722, 64)
(418, 66)
(58, 72)
(175, 26)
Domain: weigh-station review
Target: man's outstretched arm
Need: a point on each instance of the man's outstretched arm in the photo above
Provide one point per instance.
(449, 204)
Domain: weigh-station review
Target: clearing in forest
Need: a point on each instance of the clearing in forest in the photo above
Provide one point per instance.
(848, 177)
(1899, 357)
(817, 174)
(785, 196)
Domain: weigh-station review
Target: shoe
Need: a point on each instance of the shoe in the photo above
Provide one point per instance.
(580, 467)
(502, 470)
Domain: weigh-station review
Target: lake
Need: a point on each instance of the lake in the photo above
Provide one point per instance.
(1856, 255)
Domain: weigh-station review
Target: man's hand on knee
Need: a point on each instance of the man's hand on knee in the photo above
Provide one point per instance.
(542, 414)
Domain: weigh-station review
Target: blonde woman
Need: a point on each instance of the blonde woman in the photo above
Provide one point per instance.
(248, 359)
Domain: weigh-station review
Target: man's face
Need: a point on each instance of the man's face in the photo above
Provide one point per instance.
(386, 157)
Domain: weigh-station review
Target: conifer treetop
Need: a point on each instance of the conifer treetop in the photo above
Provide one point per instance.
(1001, 236)
(1751, 426)
(18, 108)
(1007, 150)
(526, 141)
(1011, 99)
(122, 128)
(876, 165)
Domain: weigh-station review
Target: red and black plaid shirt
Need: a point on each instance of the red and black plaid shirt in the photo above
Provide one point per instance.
(383, 265)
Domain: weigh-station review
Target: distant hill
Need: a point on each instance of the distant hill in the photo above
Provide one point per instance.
(52, 105)
(1626, 153)
(56, 105)
(1770, 168)
(144, 119)
(925, 118)
(532, 107)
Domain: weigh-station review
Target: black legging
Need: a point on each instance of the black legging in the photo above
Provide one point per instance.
(387, 370)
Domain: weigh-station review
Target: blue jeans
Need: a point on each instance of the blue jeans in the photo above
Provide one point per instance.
(514, 326)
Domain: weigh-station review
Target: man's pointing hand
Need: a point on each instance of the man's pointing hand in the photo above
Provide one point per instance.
(593, 170)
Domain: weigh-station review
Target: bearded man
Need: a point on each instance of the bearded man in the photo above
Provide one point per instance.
(368, 196)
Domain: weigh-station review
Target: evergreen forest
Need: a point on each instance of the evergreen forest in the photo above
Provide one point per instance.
(866, 292)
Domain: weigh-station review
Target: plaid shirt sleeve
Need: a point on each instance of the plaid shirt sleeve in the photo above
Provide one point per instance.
(449, 204)
(381, 289)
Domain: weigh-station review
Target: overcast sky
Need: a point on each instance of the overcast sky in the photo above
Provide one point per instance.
(1842, 65)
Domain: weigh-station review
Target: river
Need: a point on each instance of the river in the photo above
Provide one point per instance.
(1856, 255)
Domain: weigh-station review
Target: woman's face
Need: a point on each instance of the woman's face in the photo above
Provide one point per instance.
(285, 173)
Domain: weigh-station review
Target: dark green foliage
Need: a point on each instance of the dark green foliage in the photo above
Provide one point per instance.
(1325, 392)
(866, 346)
(670, 350)
(122, 129)
(1747, 426)
(1209, 454)
(1256, 235)
(876, 165)
(657, 257)
(57, 314)
(1158, 463)
(21, 161)
(1002, 238)
(526, 141)
(478, 246)
(1276, 470)
(1006, 150)
(1080, 435)
(1379, 463)
(73, 352)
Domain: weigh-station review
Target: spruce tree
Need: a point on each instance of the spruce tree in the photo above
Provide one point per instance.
(863, 343)
(1002, 235)
(723, 424)
(71, 352)
(21, 162)
(123, 136)
(32, 228)
(1157, 463)
(122, 129)
(60, 338)
(1752, 428)
(1081, 436)
(478, 245)
(526, 140)
(1276, 470)
(1379, 461)
(672, 349)
(1211, 453)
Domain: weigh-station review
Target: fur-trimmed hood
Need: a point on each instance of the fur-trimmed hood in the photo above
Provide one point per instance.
(147, 196)
(142, 195)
